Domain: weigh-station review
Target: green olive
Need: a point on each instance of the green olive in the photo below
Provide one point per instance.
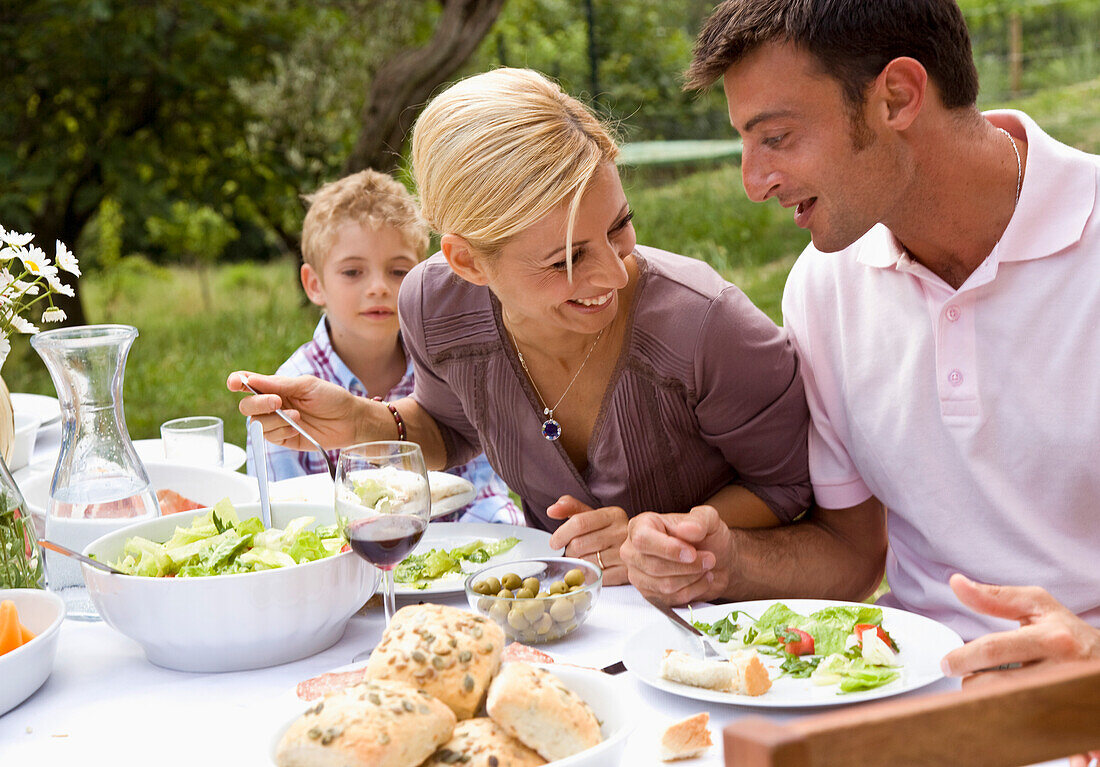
(543, 624)
(485, 604)
(511, 581)
(517, 620)
(525, 593)
(574, 577)
(499, 610)
(482, 587)
(533, 610)
(562, 610)
(558, 587)
(543, 594)
(533, 584)
(505, 593)
(581, 600)
(492, 584)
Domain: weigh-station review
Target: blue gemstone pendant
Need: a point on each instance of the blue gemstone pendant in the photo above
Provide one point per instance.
(551, 429)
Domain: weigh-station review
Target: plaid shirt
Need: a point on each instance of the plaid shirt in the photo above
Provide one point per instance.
(318, 358)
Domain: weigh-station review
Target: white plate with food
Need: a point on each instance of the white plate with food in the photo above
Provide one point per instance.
(454, 538)
(233, 456)
(921, 643)
(449, 493)
(46, 408)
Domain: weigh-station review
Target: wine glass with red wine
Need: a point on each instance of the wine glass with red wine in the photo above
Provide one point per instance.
(383, 504)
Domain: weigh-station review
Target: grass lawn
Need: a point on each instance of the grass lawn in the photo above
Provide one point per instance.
(257, 315)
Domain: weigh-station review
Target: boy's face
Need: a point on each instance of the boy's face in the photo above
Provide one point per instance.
(802, 144)
(358, 284)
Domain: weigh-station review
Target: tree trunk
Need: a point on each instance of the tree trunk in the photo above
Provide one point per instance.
(403, 84)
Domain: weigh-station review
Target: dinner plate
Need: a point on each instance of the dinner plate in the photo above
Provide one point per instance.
(233, 456)
(922, 642)
(448, 535)
(317, 488)
(46, 408)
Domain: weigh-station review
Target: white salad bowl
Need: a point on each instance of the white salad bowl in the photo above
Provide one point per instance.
(230, 622)
(26, 668)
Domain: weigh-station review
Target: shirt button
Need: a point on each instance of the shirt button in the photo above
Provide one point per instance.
(955, 377)
(953, 313)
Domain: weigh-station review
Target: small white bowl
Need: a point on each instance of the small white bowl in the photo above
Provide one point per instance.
(26, 432)
(231, 622)
(604, 693)
(25, 669)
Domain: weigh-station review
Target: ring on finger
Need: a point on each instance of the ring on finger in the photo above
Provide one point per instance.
(599, 561)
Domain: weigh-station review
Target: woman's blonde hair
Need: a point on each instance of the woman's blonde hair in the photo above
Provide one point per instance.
(496, 152)
(368, 198)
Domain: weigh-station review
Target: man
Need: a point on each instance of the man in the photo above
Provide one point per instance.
(946, 316)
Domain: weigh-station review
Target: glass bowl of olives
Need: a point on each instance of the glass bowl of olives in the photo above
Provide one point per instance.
(536, 600)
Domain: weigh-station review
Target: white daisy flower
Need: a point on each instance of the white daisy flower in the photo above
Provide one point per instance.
(53, 314)
(5, 347)
(36, 262)
(65, 259)
(28, 288)
(21, 325)
(17, 240)
(57, 286)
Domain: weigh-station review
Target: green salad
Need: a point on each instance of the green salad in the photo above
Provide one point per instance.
(842, 644)
(219, 543)
(420, 570)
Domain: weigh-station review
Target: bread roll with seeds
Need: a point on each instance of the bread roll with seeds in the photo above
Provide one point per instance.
(449, 653)
(536, 707)
(482, 742)
(373, 724)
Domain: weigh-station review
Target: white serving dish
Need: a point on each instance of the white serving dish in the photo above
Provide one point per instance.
(231, 622)
(606, 696)
(202, 484)
(26, 668)
(26, 432)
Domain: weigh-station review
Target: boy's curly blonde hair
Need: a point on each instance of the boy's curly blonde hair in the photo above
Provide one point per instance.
(369, 198)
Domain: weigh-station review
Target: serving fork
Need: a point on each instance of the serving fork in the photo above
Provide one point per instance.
(297, 427)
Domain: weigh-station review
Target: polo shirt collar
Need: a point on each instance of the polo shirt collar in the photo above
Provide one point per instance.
(1058, 195)
(1056, 201)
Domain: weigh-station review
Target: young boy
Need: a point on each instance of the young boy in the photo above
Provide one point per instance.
(361, 236)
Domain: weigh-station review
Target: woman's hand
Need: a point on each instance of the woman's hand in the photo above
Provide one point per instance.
(589, 532)
(327, 411)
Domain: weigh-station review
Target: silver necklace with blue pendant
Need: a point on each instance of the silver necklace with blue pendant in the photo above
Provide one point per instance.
(551, 429)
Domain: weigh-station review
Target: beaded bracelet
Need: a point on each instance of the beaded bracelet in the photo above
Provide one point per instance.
(402, 434)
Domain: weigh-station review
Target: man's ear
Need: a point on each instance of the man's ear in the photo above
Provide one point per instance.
(900, 89)
(464, 262)
(311, 283)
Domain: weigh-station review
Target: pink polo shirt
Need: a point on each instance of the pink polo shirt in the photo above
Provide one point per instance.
(972, 414)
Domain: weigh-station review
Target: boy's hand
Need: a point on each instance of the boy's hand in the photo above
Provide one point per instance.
(327, 411)
(588, 532)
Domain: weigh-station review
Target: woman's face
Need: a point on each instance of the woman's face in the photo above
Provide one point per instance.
(529, 275)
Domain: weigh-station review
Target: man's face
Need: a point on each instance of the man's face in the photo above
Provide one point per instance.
(805, 145)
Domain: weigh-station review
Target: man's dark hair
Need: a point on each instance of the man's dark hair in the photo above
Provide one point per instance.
(852, 41)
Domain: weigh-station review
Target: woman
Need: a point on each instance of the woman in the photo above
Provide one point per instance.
(601, 378)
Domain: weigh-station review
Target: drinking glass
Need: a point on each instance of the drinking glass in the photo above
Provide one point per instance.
(198, 440)
(383, 504)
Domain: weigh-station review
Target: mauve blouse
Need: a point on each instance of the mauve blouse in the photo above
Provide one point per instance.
(706, 393)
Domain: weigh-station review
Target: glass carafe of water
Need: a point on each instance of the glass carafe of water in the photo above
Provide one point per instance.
(99, 483)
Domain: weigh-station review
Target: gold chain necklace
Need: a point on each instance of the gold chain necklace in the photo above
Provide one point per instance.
(551, 429)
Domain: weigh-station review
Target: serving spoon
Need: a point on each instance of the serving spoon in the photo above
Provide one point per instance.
(86, 560)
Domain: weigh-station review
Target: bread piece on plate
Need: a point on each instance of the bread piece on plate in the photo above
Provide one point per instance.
(743, 673)
(536, 707)
(374, 724)
(687, 738)
(449, 653)
(482, 742)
